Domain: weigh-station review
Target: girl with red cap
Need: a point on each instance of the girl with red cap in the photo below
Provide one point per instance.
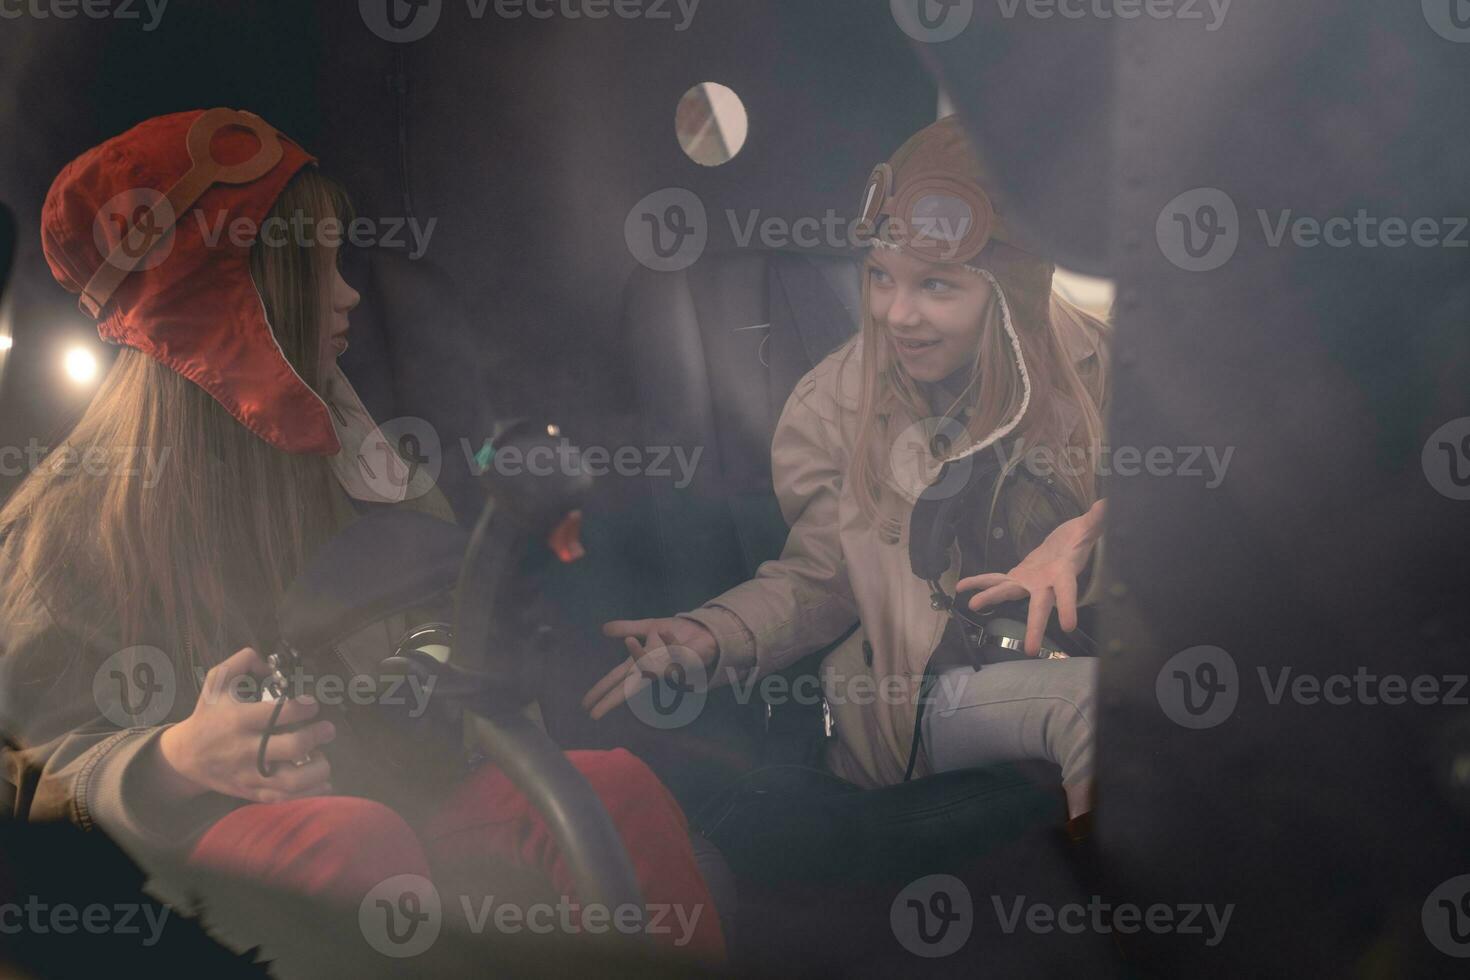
(183, 238)
(972, 380)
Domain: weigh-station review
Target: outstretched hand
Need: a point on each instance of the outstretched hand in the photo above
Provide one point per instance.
(1047, 575)
(652, 644)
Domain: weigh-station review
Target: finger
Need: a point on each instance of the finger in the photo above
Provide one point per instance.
(257, 716)
(262, 794)
(289, 779)
(297, 711)
(1036, 616)
(977, 582)
(1005, 592)
(632, 682)
(1066, 591)
(609, 681)
(325, 789)
(635, 678)
(298, 745)
(243, 662)
(628, 627)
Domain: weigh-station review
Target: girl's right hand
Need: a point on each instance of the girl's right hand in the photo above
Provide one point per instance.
(213, 750)
(653, 644)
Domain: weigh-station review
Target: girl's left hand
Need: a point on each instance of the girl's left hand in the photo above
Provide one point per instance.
(1048, 575)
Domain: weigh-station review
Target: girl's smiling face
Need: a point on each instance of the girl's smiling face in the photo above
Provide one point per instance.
(931, 313)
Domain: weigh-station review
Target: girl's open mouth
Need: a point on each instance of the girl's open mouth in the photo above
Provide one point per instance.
(914, 346)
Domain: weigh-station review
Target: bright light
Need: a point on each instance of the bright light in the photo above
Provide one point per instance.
(1092, 294)
(81, 365)
(6, 341)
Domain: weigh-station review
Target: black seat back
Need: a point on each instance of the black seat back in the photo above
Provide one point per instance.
(717, 349)
(720, 347)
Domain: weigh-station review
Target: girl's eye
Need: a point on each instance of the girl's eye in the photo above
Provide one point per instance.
(937, 286)
(879, 276)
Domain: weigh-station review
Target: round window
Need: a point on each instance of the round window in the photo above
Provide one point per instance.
(711, 124)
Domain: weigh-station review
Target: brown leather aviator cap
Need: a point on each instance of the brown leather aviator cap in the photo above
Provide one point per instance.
(930, 199)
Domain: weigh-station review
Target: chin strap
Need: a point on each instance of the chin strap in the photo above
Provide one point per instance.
(1010, 328)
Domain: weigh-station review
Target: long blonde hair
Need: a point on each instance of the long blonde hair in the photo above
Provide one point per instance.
(995, 392)
(196, 563)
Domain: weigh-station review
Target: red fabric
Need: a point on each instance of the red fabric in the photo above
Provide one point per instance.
(344, 846)
(325, 845)
(198, 311)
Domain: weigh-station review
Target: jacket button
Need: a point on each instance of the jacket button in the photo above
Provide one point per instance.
(867, 653)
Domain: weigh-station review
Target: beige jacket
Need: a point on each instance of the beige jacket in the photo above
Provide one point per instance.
(835, 570)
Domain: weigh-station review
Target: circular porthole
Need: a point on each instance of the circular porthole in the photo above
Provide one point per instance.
(711, 124)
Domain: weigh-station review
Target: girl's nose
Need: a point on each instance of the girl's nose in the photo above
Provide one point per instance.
(904, 311)
(347, 297)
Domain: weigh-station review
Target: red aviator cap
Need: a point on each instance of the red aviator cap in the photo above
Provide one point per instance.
(140, 227)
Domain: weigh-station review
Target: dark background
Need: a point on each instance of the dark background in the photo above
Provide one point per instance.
(1326, 550)
(527, 141)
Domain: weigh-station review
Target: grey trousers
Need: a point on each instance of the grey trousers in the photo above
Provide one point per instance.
(1023, 709)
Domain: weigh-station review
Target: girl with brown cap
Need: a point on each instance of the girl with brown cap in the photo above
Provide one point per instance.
(965, 356)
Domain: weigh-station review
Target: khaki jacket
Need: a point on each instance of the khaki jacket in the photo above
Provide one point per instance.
(836, 570)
